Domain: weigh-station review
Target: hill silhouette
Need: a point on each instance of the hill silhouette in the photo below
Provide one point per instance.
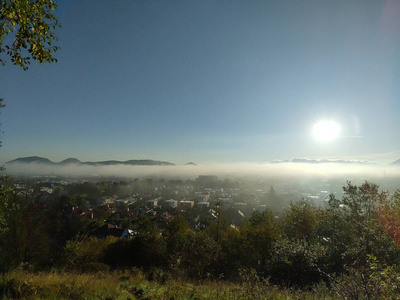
(68, 161)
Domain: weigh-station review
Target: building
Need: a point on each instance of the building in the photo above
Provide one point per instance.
(186, 204)
(152, 203)
(171, 203)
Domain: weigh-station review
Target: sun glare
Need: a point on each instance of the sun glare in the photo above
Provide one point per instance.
(326, 130)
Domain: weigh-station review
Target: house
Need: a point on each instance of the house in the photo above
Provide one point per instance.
(141, 211)
(152, 203)
(202, 196)
(235, 216)
(82, 211)
(111, 230)
(203, 205)
(109, 207)
(224, 202)
(211, 215)
(121, 217)
(171, 203)
(150, 213)
(186, 204)
(162, 220)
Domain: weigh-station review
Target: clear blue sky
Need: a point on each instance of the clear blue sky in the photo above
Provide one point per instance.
(220, 81)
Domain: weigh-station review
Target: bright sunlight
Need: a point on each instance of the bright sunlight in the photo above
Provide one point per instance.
(326, 130)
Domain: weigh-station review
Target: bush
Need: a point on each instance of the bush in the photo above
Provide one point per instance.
(156, 274)
(87, 254)
(375, 281)
(295, 263)
(252, 285)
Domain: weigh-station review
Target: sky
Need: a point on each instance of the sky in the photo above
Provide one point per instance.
(210, 81)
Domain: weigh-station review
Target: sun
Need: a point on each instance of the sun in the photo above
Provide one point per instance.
(326, 130)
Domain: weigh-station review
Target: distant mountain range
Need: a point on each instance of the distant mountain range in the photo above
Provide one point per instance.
(149, 162)
(74, 161)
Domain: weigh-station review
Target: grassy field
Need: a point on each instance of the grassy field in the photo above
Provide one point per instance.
(134, 285)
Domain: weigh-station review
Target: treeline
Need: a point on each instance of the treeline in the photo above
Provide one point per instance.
(351, 243)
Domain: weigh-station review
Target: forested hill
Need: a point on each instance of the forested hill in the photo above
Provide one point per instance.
(70, 161)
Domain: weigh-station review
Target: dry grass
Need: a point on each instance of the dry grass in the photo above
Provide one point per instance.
(130, 285)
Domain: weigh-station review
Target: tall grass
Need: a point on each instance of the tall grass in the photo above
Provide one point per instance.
(134, 285)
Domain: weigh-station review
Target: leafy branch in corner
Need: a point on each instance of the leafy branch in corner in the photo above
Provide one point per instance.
(27, 31)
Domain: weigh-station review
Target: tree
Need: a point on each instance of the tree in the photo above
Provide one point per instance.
(25, 237)
(389, 217)
(27, 31)
(259, 234)
(358, 225)
(362, 205)
(301, 220)
(176, 231)
(274, 201)
(5, 189)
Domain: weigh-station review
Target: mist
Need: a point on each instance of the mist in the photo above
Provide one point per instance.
(268, 170)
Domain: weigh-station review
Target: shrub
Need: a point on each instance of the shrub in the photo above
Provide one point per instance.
(295, 263)
(87, 254)
(375, 281)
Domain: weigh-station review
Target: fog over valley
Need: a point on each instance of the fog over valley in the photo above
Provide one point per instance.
(297, 169)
